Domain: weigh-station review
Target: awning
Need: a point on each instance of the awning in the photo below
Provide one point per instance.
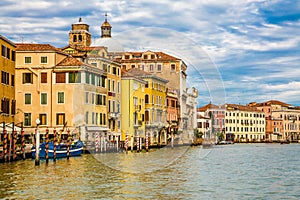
(8, 127)
(96, 128)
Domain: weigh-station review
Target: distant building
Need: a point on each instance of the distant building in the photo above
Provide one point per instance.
(283, 120)
(244, 123)
(7, 91)
(106, 39)
(173, 112)
(80, 35)
(211, 120)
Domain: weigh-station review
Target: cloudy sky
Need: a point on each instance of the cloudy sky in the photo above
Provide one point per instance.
(253, 46)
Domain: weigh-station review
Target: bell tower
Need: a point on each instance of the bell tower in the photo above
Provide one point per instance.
(105, 28)
(80, 35)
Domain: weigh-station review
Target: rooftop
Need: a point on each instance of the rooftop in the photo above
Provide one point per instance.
(160, 56)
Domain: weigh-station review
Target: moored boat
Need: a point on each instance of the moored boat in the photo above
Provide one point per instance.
(61, 150)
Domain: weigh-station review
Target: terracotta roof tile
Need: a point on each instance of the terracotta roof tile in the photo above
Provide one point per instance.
(35, 47)
(269, 103)
(70, 61)
(134, 72)
(160, 56)
(209, 106)
(242, 108)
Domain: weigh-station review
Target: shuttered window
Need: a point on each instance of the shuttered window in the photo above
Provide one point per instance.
(44, 77)
(60, 77)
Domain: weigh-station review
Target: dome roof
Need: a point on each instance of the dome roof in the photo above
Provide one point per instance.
(106, 24)
(112, 45)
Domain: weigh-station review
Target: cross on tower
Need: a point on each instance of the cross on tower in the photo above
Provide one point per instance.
(106, 17)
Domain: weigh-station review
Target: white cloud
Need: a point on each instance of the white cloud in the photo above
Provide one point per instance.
(236, 35)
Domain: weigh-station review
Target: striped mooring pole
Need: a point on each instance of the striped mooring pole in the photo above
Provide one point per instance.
(4, 144)
(23, 142)
(138, 144)
(126, 142)
(15, 145)
(47, 145)
(97, 142)
(147, 142)
(68, 144)
(54, 145)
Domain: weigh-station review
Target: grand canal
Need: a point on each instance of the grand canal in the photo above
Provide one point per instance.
(239, 171)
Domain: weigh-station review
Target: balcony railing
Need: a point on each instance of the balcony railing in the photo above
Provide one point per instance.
(113, 115)
(137, 107)
(111, 94)
(138, 123)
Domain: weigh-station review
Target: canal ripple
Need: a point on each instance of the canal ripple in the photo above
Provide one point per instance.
(239, 171)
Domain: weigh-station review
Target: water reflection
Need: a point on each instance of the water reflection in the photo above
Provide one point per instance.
(142, 162)
(228, 172)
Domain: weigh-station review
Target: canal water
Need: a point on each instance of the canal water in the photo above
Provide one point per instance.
(239, 171)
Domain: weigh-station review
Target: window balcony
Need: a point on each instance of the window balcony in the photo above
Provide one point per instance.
(138, 107)
(113, 115)
(138, 123)
(111, 94)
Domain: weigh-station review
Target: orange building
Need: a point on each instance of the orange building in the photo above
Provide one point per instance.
(283, 120)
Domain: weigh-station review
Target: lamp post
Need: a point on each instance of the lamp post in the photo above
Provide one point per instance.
(37, 145)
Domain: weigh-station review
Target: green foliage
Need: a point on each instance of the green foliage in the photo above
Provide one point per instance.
(220, 136)
(197, 133)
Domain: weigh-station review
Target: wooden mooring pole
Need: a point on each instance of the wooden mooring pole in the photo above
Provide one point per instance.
(15, 145)
(47, 145)
(23, 142)
(4, 144)
(68, 144)
(54, 145)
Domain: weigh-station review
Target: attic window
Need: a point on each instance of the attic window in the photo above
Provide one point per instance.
(127, 57)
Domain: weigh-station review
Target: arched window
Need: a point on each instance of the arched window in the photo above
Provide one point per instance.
(79, 38)
(75, 38)
(146, 98)
(147, 116)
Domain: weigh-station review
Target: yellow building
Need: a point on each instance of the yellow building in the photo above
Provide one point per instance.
(174, 70)
(155, 108)
(133, 107)
(60, 90)
(7, 92)
(246, 123)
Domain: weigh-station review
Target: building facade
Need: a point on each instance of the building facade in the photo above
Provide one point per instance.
(283, 120)
(155, 107)
(7, 91)
(133, 108)
(61, 91)
(211, 121)
(170, 68)
(111, 83)
(244, 123)
(173, 113)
